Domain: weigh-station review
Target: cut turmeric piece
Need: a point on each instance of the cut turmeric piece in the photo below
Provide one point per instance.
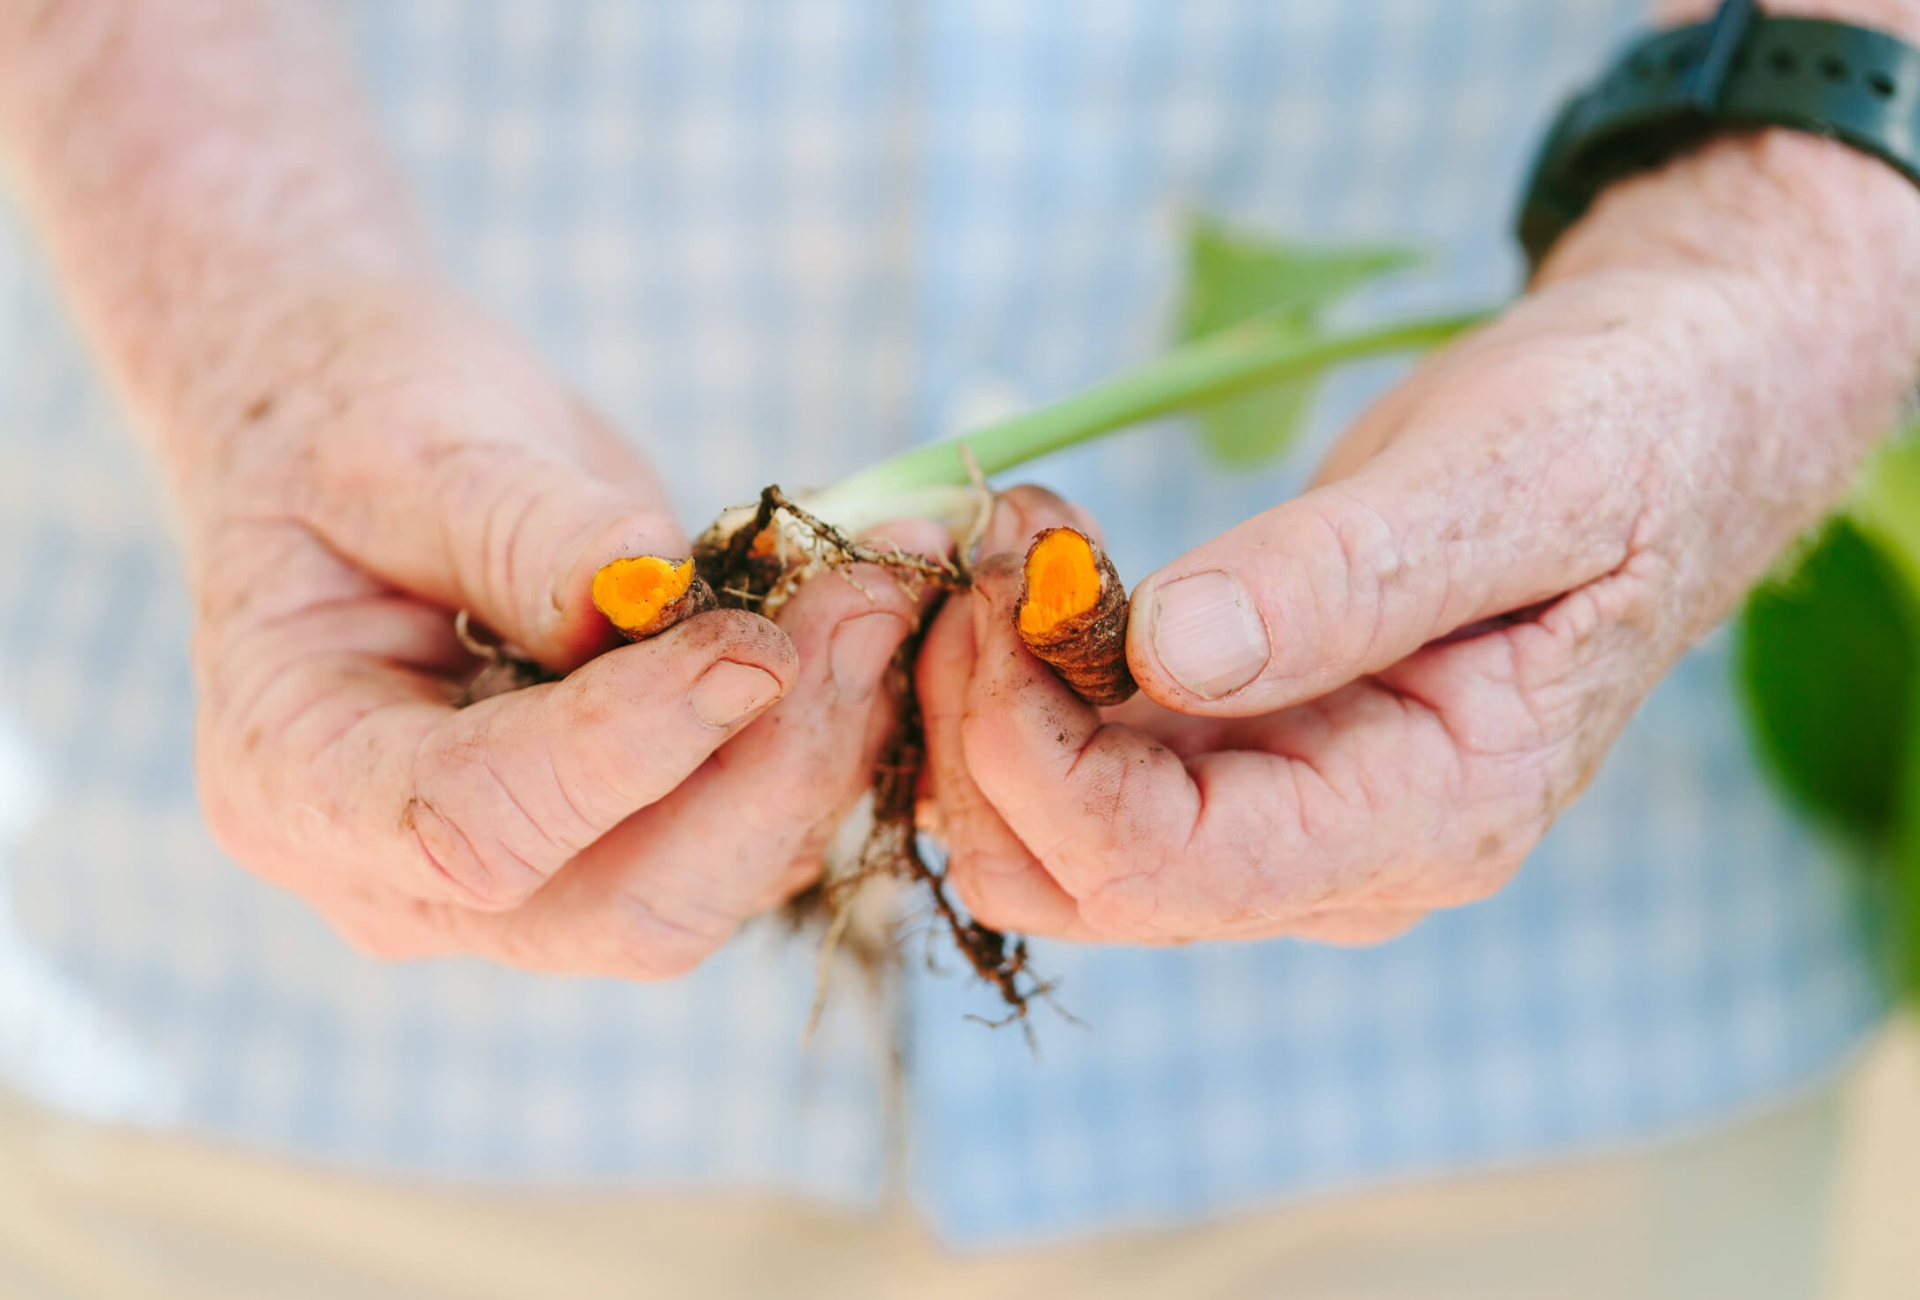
(1062, 581)
(1072, 614)
(644, 595)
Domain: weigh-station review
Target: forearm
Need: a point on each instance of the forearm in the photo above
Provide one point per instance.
(1901, 17)
(1814, 208)
(1814, 245)
(192, 166)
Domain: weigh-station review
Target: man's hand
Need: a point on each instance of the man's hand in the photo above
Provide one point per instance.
(390, 457)
(355, 454)
(1373, 700)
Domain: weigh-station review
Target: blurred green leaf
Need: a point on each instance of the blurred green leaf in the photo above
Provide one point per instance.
(1828, 661)
(1887, 508)
(1233, 276)
(1905, 928)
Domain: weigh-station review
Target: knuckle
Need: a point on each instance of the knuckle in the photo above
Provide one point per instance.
(1366, 560)
(670, 663)
(550, 828)
(978, 887)
(510, 882)
(506, 506)
(1129, 909)
(650, 945)
(504, 496)
(493, 881)
(487, 829)
(852, 592)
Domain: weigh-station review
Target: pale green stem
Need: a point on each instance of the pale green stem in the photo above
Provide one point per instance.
(1219, 365)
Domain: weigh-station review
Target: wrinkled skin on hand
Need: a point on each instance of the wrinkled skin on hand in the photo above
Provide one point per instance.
(371, 461)
(1440, 640)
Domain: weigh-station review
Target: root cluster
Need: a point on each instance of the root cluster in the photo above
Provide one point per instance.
(755, 562)
(756, 567)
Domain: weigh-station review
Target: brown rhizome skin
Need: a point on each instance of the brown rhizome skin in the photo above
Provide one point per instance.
(1072, 614)
(756, 566)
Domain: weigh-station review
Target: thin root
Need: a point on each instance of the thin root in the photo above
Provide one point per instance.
(941, 573)
(823, 967)
(892, 848)
(982, 515)
(498, 660)
(749, 575)
(744, 572)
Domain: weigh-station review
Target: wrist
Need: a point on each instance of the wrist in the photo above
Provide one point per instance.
(280, 367)
(409, 364)
(1816, 245)
(236, 360)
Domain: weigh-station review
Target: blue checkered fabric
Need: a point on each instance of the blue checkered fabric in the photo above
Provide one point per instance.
(795, 236)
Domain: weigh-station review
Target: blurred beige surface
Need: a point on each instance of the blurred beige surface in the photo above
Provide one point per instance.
(1877, 1232)
(87, 1212)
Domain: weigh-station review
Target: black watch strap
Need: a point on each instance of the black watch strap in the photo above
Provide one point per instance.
(1742, 69)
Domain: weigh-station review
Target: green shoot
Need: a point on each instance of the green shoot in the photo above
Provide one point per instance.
(1247, 356)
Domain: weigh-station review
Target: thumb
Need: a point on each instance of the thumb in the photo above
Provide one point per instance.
(1352, 577)
(445, 461)
(506, 528)
(519, 544)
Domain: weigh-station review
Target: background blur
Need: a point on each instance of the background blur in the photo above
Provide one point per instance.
(678, 306)
(1877, 1255)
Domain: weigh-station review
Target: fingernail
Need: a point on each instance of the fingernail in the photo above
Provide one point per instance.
(1207, 634)
(995, 578)
(860, 650)
(729, 692)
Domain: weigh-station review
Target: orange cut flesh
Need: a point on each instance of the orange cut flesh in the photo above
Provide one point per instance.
(1062, 582)
(632, 592)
